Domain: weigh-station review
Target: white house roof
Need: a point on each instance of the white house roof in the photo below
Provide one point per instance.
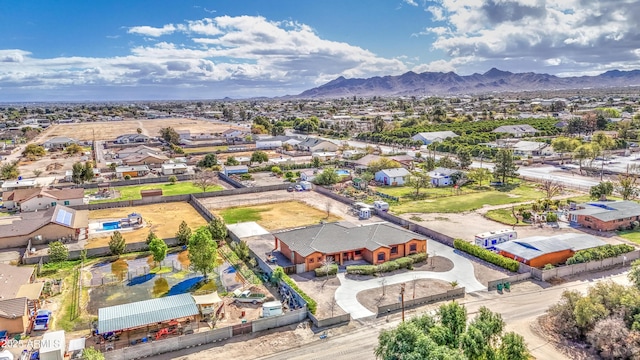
(434, 135)
(440, 172)
(174, 166)
(399, 172)
(515, 129)
(121, 169)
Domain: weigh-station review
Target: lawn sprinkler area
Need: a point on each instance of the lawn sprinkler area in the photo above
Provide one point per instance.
(127, 280)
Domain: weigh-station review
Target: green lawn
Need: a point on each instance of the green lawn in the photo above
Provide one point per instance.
(631, 235)
(237, 215)
(133, 192)
(406, 191)
(470, 201)
(504, 216)
(206, 149)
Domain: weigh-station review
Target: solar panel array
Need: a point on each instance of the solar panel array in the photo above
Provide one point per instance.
(64, 217)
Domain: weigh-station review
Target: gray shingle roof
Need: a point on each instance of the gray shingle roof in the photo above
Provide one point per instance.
(141, 313)
(535, 246)
(13, 308)
(340, 237)
(609, 210)
(395, 172)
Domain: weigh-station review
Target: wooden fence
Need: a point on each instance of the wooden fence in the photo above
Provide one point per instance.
(451, 294)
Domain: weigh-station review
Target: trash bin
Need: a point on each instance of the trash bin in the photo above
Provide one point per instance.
(243, 313)
(507, 285)
(499, 287)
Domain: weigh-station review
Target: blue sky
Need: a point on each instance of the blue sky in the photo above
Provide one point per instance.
(197, 49)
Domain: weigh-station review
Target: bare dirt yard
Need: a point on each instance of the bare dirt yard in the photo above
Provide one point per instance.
(310, 198)
(53, 164)
(322, 290)
(387, 295)
(163, 219)
(275, 216)
(109, 130)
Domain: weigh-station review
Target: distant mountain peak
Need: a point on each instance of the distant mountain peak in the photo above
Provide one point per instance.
(439, 83)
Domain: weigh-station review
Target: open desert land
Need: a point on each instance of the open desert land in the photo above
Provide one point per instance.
(110, 130)
(163, 219)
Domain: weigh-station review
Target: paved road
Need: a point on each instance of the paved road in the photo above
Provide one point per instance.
(462, 272)
(518, 309)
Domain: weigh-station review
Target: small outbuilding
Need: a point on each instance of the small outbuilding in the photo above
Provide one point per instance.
(238, 169)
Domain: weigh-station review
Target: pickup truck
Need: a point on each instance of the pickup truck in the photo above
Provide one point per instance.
(247, 297)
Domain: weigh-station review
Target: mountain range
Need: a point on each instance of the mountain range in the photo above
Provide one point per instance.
(494, 80)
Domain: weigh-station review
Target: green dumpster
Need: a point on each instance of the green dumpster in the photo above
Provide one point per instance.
(507, 285)
(499, 287)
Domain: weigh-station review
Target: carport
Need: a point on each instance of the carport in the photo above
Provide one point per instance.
(147, 315)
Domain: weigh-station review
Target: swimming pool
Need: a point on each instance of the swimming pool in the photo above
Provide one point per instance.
(111, 225)
(343, 172)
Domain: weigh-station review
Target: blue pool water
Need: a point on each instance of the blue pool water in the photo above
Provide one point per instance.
(342, 172)
(111, 225)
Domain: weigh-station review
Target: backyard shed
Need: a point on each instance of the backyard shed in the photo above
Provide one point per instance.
(142, 313)
(207, 302)
(238, 169)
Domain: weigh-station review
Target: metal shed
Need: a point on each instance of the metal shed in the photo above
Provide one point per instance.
(142, 313)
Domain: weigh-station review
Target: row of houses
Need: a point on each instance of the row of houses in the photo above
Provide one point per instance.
(517, 131)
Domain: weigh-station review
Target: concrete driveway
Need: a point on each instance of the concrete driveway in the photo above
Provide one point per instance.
(462, 272)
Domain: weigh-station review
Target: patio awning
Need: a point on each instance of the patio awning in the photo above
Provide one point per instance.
(212, 298)
(30, 291)
(142, 313)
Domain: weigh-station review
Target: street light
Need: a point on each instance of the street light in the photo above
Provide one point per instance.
(402, 299)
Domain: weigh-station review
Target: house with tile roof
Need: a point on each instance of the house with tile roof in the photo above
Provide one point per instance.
(41, 198)
(309, 246)
(605, 215)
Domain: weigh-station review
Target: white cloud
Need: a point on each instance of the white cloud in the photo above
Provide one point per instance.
(230, 56)
(410, 2)
(572, 36)
(152, 31)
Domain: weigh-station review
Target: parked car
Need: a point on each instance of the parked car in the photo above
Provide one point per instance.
(43, 318)
(290, 189)
(299, 188)
(247, 297)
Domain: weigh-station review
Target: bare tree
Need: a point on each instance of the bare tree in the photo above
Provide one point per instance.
(326, 265)
(205, 179)
(332, 305)
(551, 188)
(383, 282)
(328, 206)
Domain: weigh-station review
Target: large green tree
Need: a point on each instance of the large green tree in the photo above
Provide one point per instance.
(82, 172)
(184, 233)
(505, 166)
(9, 171)
(418, 180)
(158, 250)
(259, 157)
(328, 176)
(117, 243)
(447, 336)
(217, 228)
(170, 135)
(208, 161)
(601, 191)
(563, 145)
(58, 251)
(479, 175)
(203, 251)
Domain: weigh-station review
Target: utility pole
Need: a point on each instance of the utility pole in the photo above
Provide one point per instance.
(402, 299)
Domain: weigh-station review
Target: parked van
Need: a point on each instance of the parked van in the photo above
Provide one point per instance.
(43, 317)
(380, 205)
(272, 308)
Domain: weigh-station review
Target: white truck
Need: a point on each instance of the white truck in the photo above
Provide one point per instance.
(488, 240)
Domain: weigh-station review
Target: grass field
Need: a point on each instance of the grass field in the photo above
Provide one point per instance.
(503, 216)
(205, 149)
(277, 216)
(163, 219)
(406, 191)
(133, 192)
(631, 235)
(470, 201)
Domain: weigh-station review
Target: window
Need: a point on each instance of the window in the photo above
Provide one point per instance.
(319, 258)
(413, 247)
(311, 261)
(394, 250)
(66, 202)
(587, 219)
(381, 256)
(358, 252)
(53, 203)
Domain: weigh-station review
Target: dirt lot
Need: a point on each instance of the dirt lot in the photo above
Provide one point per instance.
(52, 165)
(311, 198)
(150, 127)
(163, 219)
(288, 214)
(322, 290)
(373, 298)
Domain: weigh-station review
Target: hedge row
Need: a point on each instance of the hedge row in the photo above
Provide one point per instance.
(311, 304)
(599, 253)
(486, 255)
(321, 271)
(400, 263)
